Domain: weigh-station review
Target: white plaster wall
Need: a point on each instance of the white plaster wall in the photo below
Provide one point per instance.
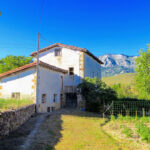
(69, 58)
(91, 67)
(20, 82)
(50, 84)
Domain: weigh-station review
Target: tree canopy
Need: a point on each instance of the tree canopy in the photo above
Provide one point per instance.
(143, 73)
(11, 62)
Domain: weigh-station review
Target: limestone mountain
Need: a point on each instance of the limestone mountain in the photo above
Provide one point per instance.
(117, 64)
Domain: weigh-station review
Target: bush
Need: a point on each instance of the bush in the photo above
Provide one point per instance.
(96, 94)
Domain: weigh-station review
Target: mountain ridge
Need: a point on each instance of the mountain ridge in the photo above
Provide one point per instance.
(117, 64)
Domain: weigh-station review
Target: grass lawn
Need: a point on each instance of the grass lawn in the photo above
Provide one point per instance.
(74, 130)
(84, 133)
(7, 104)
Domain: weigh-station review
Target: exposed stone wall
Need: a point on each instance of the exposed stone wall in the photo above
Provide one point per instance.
(11, 120)
(80, 101)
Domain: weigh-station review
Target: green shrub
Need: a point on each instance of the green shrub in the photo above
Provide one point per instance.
(96, 94)
(143, 131)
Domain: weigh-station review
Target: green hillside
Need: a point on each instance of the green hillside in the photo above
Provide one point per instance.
(125, 79)
(123, 84)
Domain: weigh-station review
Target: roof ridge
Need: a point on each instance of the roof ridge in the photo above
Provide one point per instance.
(69, 47)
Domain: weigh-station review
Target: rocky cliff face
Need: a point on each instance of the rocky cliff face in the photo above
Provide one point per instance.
(117, 64)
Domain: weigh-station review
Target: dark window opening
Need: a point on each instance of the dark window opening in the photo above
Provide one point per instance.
(55, 98)
(53, 109)
(43, 98)
(48, 109)
(58, 52)
(71, 71)
(15, 95)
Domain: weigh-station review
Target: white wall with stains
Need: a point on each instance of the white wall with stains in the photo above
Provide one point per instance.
(91, 67)
(50, 84)
(68, 58)
(18, 83)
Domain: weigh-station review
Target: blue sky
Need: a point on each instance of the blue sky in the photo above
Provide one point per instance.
(101, 26)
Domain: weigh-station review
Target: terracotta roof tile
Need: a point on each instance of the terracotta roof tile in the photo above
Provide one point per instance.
(69, 47)
(33, 65)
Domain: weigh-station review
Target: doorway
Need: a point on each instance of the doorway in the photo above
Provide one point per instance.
(71, 100)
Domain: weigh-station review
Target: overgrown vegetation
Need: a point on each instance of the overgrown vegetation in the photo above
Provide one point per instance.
(143, 131)
(8, 104)
(11, 62)
(96, 93)
(127, 131)
(135, 131)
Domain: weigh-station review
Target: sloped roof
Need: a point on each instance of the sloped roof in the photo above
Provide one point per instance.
(69, 47)
(32, 65)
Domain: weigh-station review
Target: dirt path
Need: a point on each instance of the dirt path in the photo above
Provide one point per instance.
(20, 139)
(32, 134)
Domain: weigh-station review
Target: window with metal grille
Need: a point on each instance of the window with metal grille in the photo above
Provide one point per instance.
(43, 98)
(71, 71)
(58, 52)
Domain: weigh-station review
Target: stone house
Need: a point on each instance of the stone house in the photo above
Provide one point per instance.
(61, 69)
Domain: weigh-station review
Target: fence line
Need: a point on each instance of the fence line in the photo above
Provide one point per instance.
(131, 108)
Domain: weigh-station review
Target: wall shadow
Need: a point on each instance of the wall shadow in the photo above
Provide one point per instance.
(49, 133)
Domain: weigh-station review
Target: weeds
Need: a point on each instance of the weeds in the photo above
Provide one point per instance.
(143, 131)
(127, 131)
(7, 104)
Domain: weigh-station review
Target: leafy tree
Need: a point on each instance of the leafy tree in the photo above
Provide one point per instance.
(11, 62)
(96, 93)
(143, 73)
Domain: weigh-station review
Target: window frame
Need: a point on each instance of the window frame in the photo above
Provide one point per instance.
(43, 99)
(15, 95)
(71, 72)
(58, 52)
(54, 98)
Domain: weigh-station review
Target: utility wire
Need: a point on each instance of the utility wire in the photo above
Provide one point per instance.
(42, 37)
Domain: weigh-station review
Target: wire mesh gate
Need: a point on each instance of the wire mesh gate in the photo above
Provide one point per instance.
(131, 108)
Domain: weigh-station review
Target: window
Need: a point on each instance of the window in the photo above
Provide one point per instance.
(15, 95)
(71, 71)
(43, 98)
(58, 52)
(55, 98)
(61, 82)
(53, 109)
(48, 109)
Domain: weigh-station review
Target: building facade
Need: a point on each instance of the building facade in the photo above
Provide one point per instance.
(62, 68)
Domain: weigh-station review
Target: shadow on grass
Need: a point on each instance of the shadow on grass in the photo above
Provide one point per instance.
(48, 134)
(53, 126)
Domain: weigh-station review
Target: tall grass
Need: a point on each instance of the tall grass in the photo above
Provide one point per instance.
(8, 104)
